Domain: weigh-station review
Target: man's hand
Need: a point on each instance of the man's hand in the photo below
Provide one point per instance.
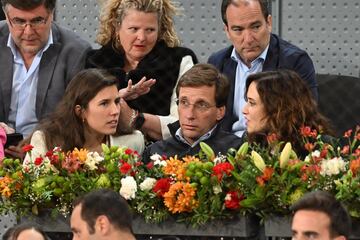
(134, 91)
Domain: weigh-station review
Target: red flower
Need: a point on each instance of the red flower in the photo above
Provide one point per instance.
(306, 131)
(38, 161)
(128, 151)
(348, 133)
(150, 165)
(345, 150)
(222, 169)
(125, 168)
(54, 159)
(162, 186)
(49, 153)
(232, 200)
(27, 148)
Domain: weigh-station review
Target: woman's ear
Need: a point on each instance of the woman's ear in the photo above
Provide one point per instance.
(78, 111)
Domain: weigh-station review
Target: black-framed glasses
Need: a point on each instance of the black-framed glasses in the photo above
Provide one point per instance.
(20, 24)
(200, 106)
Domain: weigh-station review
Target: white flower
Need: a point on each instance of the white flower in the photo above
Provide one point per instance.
(158, 160)
(228, 197)
(315, 153)
(147, 184)
(217, 189)
(155, 157)
(219, 159)
(332, 166)
(92, 159)
(128, 187)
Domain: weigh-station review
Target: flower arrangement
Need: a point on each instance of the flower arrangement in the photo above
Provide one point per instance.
(257, 179)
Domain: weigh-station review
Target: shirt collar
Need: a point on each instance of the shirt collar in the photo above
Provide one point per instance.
(236, 57)
(179, 136)
(15, 52)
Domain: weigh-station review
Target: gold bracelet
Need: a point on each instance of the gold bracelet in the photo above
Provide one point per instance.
(132, 118)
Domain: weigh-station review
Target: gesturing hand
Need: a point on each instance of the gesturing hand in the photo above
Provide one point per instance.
(134, 91)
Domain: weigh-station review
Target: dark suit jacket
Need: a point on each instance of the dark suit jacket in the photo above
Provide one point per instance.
(59, 63)
(220, 141)
(281, 54)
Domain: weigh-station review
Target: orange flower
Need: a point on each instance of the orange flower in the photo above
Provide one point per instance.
(80, 154)
(177, 168)
(180, 198)
(266, 176)
(355, 166)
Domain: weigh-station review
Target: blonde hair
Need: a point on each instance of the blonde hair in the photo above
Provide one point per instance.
(114, 11)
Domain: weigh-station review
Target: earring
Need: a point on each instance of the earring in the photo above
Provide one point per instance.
(83, 120)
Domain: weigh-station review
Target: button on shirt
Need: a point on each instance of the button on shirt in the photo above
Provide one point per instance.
(22, 115)
(242, 72)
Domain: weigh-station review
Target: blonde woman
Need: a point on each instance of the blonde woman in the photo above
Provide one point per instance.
(139, 45)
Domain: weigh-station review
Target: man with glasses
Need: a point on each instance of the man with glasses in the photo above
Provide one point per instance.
(38, 59)
(202, 93)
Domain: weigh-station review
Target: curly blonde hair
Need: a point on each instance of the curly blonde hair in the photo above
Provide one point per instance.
(114, 11)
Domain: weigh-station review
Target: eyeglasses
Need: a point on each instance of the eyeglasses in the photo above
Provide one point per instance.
(198, 106)
(20, 24)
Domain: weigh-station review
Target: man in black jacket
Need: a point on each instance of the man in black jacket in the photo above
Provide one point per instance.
(254, 49)
(202, 93)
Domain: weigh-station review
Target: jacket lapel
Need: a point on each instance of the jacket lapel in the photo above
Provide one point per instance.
(6, 63)
(46, 70)
(272, 57)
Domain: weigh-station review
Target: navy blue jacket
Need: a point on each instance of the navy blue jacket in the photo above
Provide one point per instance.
(220, 141)
(281, 55)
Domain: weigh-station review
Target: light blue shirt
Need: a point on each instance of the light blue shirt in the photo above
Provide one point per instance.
(242, 72)
(22, 115)
(179, 136)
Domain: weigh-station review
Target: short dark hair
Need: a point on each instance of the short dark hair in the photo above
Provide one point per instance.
(225, 4)
(204, 74)
(29, 4)
(108, 203)
(340, 221)
(14, 232)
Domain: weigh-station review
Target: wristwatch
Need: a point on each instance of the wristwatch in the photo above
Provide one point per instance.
(139, 121)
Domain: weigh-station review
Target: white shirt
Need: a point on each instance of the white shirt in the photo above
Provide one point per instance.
(22, 115)
(242, 72)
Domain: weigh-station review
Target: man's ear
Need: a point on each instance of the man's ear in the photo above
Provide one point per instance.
(341, 237)
(269, 23)
(226, 29)
(220, 113)
(102, 225)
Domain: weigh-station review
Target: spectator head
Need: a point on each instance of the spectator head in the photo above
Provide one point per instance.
(202, 94)
(101, 212)
(280, 102)
(248, 25)
(25, 231)
(155, 14)
(319, 215)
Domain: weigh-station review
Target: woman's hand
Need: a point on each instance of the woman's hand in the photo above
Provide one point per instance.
(134, 91)
(7, 129)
